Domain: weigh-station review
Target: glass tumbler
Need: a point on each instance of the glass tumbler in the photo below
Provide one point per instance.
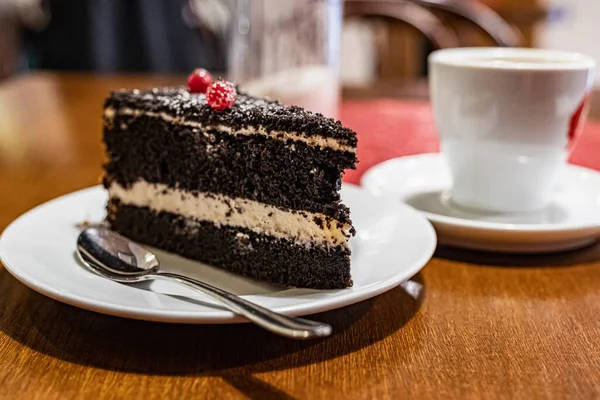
(288, 50)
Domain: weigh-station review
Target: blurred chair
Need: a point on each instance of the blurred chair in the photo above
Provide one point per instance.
(417, 14)
(482, 16)
(403, 11)
(405, 31)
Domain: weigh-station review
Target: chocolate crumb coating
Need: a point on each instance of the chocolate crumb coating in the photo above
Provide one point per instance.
(247, 111)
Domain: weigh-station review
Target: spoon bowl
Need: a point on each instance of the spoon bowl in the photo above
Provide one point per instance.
(92, 264)
(115, 253)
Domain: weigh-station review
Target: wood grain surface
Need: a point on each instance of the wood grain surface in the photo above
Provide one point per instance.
(469, 326)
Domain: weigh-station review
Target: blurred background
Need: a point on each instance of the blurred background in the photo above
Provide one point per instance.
(382, 47)
(381, 39)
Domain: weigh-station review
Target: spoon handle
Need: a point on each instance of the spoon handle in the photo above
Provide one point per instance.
(292, 327)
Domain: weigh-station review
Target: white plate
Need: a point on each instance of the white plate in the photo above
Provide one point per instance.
(571, 220)
(392, 244)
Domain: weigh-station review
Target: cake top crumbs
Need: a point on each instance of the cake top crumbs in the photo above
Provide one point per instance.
(247, 111)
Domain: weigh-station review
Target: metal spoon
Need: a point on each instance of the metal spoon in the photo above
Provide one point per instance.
(115, 257)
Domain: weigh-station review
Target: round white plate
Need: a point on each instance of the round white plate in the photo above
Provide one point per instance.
(571, 220)
(391, 245)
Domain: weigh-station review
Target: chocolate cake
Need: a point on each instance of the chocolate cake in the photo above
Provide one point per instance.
(253, 189)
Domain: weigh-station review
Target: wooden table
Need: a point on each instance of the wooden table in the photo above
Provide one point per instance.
(468, 326)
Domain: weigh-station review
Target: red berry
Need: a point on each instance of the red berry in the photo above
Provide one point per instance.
(199, 81)
(221, 95)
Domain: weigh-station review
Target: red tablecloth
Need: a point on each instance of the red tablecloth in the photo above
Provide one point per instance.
(394, 128)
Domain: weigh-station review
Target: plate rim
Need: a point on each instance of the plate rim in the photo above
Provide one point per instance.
(220, 316)
(498, 227)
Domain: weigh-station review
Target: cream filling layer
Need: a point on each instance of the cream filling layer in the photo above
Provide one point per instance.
(300, 226)
(320, 141)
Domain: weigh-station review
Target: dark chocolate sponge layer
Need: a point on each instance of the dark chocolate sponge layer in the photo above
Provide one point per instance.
(290, 175)
(238, 250)
(247, 111)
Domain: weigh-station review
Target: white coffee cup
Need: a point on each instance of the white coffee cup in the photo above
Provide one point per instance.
(506, 118)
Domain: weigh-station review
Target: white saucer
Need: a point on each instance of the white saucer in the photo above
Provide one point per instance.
(570, 221)
(392, 244)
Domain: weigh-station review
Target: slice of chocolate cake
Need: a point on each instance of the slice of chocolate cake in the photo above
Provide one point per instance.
(253, 189)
